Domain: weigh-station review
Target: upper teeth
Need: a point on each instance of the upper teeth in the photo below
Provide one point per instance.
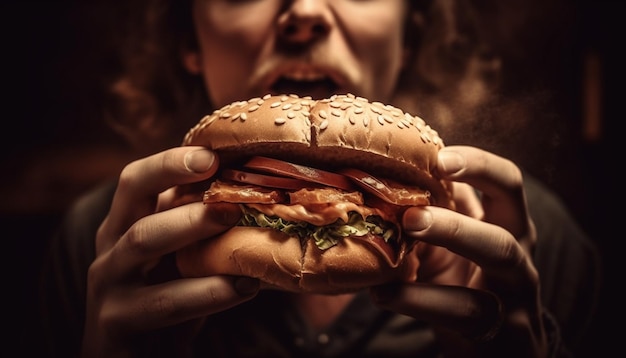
(304, 75)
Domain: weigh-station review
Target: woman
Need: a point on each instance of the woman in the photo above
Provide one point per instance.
(115, 284)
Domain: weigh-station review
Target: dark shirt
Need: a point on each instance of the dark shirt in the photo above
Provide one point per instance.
(268, 326)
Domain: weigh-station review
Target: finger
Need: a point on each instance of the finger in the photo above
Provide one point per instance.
(438, 265)
(466, 200)
(498, 179)
(476, 314)
(181, 195)
(154, 236)
(178, 301)
(141, 182)
(491, 247)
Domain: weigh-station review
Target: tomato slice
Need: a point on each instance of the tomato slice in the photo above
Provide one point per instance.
(302, 172)
(387, 190)
(264, 180)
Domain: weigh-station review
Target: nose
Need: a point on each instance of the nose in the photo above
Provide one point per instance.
(304, 21)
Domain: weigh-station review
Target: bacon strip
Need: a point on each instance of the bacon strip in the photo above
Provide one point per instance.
(232, 193)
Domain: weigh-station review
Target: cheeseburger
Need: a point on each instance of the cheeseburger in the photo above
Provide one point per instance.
(322, 185)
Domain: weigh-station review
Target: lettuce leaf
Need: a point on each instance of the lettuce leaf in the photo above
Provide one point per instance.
(325, 236)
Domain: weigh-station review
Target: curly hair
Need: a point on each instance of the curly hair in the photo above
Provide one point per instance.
(453, 78)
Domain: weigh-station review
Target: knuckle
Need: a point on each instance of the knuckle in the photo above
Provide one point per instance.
(514, 174)
(111, 319)
(136, 240)
(94, 278)
(127, 174)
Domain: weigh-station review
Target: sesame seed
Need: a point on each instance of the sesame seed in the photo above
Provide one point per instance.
(253, 108)
(275, 104)
(323, 114)
(408, 118)
(324, 124)
(336, 113)
(279, 120)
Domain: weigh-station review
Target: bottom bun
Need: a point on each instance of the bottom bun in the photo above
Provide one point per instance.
(279, 261)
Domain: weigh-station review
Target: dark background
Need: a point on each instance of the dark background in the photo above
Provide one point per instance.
(54, 146)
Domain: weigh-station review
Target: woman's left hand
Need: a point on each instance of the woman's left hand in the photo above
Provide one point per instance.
(477, 283)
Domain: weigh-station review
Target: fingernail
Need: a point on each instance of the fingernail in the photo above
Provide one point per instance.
(417, 219)
(450, 162)
(246, 286)
(199, 161)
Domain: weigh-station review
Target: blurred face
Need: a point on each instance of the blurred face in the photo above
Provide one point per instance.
(248, 48)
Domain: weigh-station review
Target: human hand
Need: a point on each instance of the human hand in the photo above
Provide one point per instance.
(478, 286)
(136, 303)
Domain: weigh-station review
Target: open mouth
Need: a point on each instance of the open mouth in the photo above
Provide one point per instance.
(307, 80)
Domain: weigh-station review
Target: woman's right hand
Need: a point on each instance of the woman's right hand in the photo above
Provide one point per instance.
(136, 302)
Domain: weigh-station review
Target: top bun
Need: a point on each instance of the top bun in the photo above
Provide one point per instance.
(338, 132)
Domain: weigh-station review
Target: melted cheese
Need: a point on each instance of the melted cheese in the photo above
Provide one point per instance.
(317, 214)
